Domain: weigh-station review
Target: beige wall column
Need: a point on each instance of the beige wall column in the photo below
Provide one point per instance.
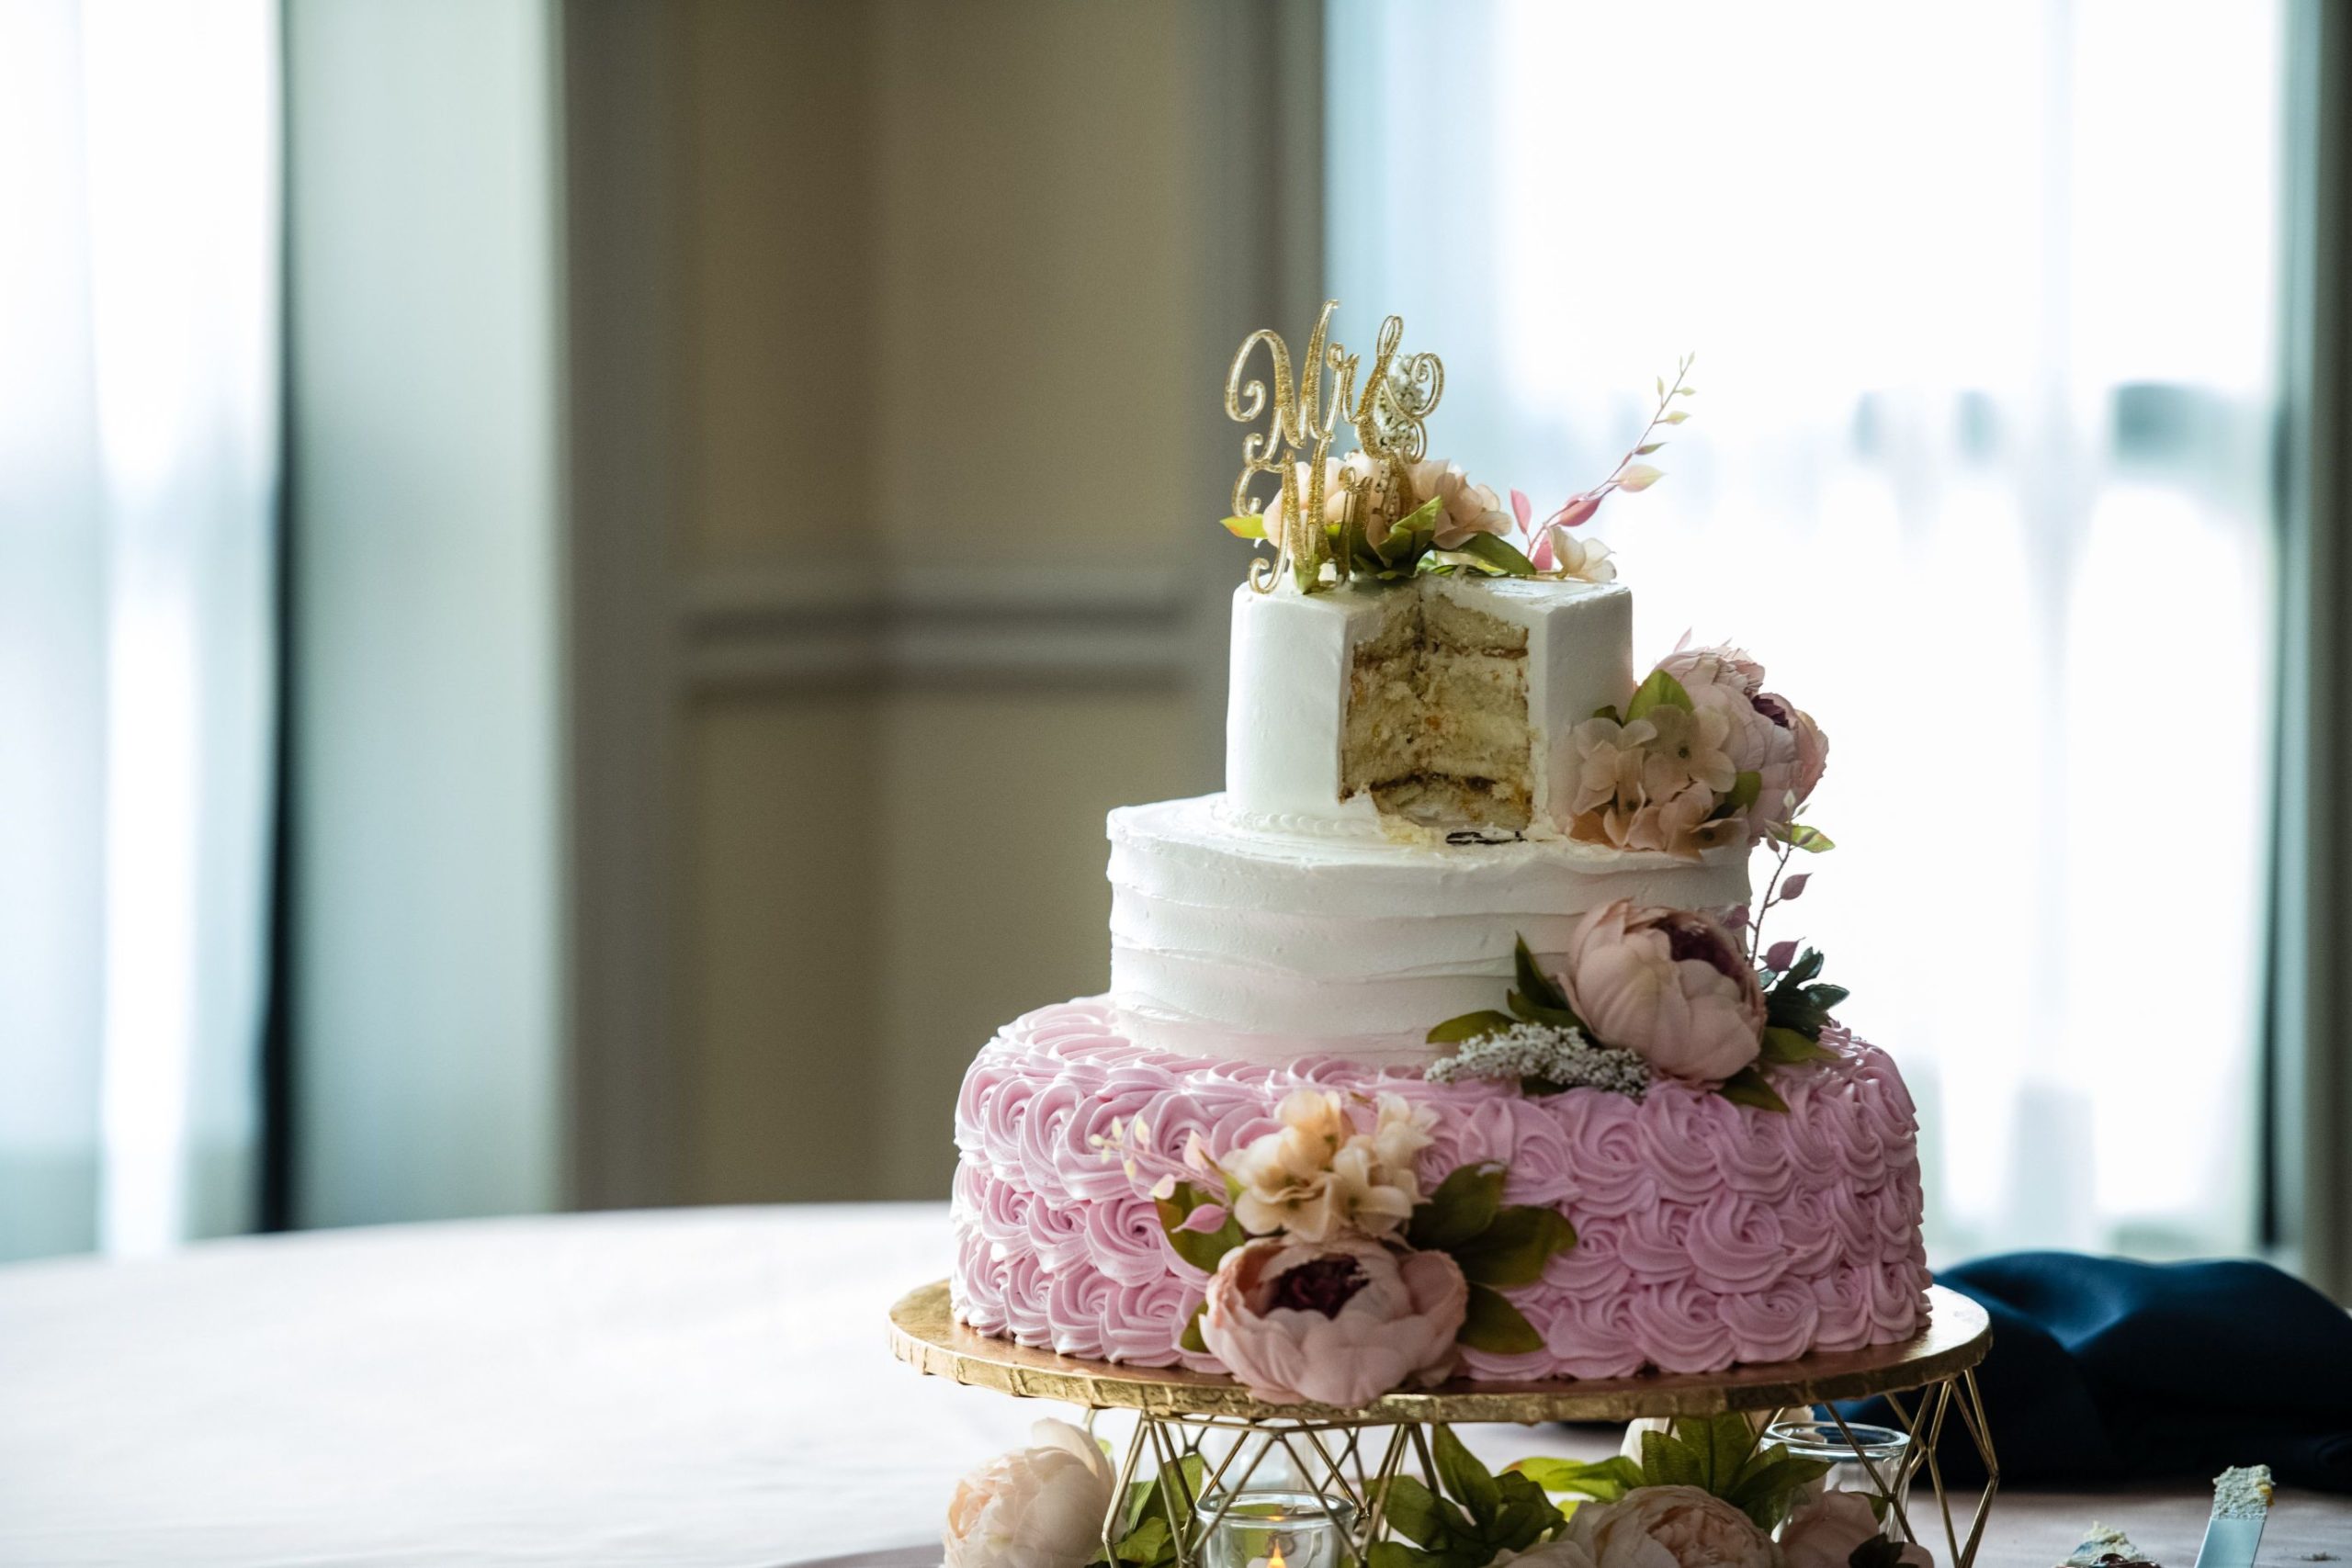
(932, 305)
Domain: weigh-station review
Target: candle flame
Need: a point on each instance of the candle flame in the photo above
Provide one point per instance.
(1275, 1561)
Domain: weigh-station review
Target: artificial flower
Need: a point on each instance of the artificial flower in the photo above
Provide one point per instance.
(1318, 1175)
(1338, 1322)
(1795, 765)
(1383, 502)
(1654, 782)
(1668, 1527)
(1670, 985)
(1335, 497)
(1560, 1553)
(1558, 553)
(1041, 1507)
(1765, 733)
(1464, 507)
(1825, 1532)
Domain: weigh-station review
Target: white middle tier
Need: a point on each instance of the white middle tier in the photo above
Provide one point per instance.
(1272, 939)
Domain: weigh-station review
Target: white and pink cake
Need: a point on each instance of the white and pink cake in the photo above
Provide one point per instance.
(1445, 1043)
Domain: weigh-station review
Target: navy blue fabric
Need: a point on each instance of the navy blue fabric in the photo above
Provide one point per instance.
(2105, 1370)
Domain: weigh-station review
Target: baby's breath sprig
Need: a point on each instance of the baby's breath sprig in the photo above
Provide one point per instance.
(1544, 1058)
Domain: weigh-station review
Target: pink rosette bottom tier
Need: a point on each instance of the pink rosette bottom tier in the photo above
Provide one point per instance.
(1708, 1233)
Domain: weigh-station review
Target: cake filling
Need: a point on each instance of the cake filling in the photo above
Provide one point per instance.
(1437, 728)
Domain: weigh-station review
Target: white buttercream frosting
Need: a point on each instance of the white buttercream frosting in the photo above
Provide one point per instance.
(1266, 939)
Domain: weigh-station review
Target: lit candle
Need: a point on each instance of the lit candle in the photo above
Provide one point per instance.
(1279, 1530)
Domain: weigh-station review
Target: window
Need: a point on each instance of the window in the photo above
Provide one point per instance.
(1984, 299)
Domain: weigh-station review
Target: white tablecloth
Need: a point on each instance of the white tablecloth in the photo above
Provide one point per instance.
(685, 1388)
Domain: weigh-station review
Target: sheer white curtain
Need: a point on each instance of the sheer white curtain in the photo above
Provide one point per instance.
(1983, 298)
(138, 469)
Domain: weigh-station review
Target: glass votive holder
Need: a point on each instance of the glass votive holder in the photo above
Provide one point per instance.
(1886, 1450)
(1277, 1528)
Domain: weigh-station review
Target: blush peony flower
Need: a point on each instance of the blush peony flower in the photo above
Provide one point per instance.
(1798, 756)
(1036, 1507)
(1765, 733)
(1669, 1526)
(1319, 1174)
(1560, 1553)
(1668, 985)
(1825, 1532)
(1464, 507)
(1338, 1322)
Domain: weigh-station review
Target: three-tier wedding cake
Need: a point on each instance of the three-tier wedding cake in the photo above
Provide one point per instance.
(1444, 1042)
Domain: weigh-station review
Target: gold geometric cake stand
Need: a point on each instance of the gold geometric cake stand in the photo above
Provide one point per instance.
(1179, 1411)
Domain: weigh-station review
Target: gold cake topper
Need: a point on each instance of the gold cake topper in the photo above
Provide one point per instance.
(1390, 420)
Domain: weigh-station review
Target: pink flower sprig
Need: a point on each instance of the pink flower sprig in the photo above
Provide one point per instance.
(1632, 474)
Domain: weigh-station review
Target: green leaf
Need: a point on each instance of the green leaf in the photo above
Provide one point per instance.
(1466, 1481)
(1808, 966)
(1396, 1554)
(1420, 1515)
(1771, 1483)
(1748, 1087)
(1785, 1047)
(1463, 1206)
(1494, 1325)
(1514, 1248)
(1746, 785)
(1191, 1339)
(1146, 1544)
(1661, 690)
(1604, 1482)
(1609, 713)
(1723, 1444)
(1559, 1018)
(1202, 1250)
(1647, 447)
(1411, 535)
(1826, 997)
(1499, 554)
(1801, 836)
(1469, 1026)
(1538, 987)
(1878, 1552)
(1248, 526)
(1669, 1462)
(1525, 1516)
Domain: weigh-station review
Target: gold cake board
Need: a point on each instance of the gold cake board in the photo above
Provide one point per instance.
(925, 1334)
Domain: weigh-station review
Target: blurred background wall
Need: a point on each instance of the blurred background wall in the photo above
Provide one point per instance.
(879, 411)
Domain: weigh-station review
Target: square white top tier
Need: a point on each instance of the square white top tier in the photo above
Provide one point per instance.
(1293, 655)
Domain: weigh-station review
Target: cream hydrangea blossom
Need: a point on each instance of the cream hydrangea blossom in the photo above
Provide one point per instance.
(1318, 1175)
(1654, 782)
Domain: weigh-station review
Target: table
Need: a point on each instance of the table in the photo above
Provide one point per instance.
(685, 1388)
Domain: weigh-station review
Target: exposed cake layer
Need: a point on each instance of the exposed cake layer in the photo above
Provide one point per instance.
(1266, 940)
(1708, 1233)
(1443, 701)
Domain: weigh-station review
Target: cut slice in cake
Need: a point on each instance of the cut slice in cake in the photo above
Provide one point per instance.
(1441, 703)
